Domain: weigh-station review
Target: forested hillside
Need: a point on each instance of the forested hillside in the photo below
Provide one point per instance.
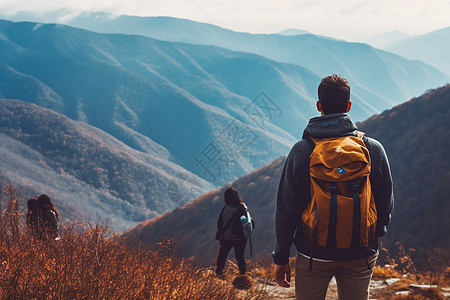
(416, 136)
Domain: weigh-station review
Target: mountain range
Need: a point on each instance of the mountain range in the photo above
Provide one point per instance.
(244, 108)
(89, 174)
(416, 137)
(377, 77)
(150, 93)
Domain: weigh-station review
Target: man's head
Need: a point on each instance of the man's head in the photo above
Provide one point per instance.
(334, 95)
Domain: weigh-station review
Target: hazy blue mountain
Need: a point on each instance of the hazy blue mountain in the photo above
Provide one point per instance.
(293, 31)
(379, 79)
(416, 136)
(432, 48)
(89, 174)
(382, 40)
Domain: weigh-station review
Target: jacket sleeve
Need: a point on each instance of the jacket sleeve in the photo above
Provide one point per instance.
(292, 198)
(382, 186)
(220, 221)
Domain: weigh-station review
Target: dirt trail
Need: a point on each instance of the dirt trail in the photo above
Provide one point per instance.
(289, 293)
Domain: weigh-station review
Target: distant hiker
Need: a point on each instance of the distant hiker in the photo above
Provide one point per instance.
(231, 231)
(334, 201)
(48, 218)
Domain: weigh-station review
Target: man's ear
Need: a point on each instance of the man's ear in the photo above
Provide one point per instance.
(319, 107)
(349, 105)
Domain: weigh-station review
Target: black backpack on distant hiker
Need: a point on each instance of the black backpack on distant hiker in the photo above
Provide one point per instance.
(50, 224)
(48, 219)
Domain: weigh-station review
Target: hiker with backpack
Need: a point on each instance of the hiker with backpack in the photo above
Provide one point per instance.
(334, 201)
(234, 228)
(43, 218)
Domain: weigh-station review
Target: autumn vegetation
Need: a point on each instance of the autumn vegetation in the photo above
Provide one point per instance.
(90, 262)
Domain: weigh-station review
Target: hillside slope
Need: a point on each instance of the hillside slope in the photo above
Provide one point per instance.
(416, 136)
(194, 225)
(89, 174)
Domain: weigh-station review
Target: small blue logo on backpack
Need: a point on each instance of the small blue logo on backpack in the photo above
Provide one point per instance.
(341, 170)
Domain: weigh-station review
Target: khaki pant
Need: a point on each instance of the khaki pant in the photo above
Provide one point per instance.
(352, 278)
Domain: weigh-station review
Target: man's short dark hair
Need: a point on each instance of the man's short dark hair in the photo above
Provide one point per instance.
(334, 94)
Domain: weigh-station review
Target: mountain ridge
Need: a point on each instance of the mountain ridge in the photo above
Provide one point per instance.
(288, 49)
(84, 168)
(119, 83)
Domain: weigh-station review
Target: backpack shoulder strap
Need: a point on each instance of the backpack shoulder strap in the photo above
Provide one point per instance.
(362, 136)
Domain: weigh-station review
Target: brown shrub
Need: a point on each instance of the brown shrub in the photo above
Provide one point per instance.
(90, 262)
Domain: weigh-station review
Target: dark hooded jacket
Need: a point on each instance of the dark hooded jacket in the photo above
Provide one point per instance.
(228, 225)
(294, 192)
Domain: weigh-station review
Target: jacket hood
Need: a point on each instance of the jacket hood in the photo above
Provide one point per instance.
(331, 125)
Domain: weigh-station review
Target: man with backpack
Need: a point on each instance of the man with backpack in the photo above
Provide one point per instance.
(334, 201)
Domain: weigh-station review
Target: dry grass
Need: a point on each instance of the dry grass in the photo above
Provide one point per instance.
(430, 284)
(91, 263)
(385, 273)
(421, 294)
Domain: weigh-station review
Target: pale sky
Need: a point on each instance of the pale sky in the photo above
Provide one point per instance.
(346, 19)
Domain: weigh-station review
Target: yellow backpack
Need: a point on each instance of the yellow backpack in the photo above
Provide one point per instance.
(342, 212)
